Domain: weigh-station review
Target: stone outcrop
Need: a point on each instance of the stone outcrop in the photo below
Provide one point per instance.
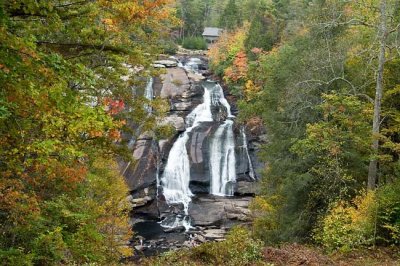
(174, 83)
(211, 216)
(206, 211)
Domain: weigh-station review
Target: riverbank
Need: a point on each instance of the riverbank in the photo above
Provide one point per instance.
(285, 255)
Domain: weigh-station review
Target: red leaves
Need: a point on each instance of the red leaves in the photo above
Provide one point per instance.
(114, 107)
(239, 68)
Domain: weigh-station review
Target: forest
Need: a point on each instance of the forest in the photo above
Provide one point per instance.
(321, 76)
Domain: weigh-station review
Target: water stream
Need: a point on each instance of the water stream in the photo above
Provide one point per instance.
(176, 177)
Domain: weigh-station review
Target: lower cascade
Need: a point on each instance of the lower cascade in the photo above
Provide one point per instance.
(176, 177)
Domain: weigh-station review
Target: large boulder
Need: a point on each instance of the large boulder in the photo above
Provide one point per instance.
(142, 172)
(174, 83)
(244, 188)
(166, 63)
(174, 120)
(209, 210)
(198, 148)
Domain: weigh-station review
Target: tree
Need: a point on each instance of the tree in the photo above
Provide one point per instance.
(231, 17)
(383, 32)
(64, 101)
(263, 31)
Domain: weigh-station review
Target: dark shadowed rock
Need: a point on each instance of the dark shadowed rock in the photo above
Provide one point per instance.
(198, 147)
(142, 172)
(244, 188)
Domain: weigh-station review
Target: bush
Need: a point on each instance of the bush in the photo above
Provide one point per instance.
(194, 43)
(238, 249)
(169, 47)
(388, 220)
(371, 219)
(348, 226)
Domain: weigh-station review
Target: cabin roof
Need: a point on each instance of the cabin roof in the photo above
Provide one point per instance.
(214, 32)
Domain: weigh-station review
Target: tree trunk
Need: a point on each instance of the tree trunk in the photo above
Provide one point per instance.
(373, 165)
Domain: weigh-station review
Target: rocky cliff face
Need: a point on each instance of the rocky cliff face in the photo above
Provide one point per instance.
(183, 90)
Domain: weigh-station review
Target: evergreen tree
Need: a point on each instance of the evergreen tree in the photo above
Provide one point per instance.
(231, 17)
(263, 32)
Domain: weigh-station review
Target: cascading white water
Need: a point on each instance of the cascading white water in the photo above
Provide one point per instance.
(252, 173)
(193, 65)
(176, 177)
(222, 150)
(149, 93)
(222, 160)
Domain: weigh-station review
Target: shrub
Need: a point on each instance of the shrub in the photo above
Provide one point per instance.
(348, 226)
(372, 218)
(238, 249)
(169, 47)
(194, 43)
(388, 220)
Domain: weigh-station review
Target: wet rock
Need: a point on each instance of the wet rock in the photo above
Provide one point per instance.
(182, 106)
(166, 63)
(174, 83)
(247, 188)
(142, 172)
(208, 211)
(158, 66)
(175, 229)
(196, 77)
(198, 148)
(200, 238)
(140, 247)
(214, 233)
(174, 120)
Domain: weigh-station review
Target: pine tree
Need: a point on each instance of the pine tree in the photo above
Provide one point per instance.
(231, 17)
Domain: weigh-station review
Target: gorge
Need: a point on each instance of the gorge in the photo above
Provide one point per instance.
(196, 185)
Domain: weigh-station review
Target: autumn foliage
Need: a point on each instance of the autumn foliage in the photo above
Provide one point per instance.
(63, 106)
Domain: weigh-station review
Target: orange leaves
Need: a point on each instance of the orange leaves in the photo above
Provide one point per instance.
(110, 24)
(115, 134)
(113, 107)
(227, 47)
(239, 68)
(125, 12)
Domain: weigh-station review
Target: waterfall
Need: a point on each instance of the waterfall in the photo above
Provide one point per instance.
(176, 177)
(193, 65)
(252, 173)
(222, 160)
(148, 93)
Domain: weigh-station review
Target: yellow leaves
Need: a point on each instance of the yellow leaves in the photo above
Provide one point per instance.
(348, 225)
(227, 46)
(250, 90)
(110, 24)
(261, 204)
